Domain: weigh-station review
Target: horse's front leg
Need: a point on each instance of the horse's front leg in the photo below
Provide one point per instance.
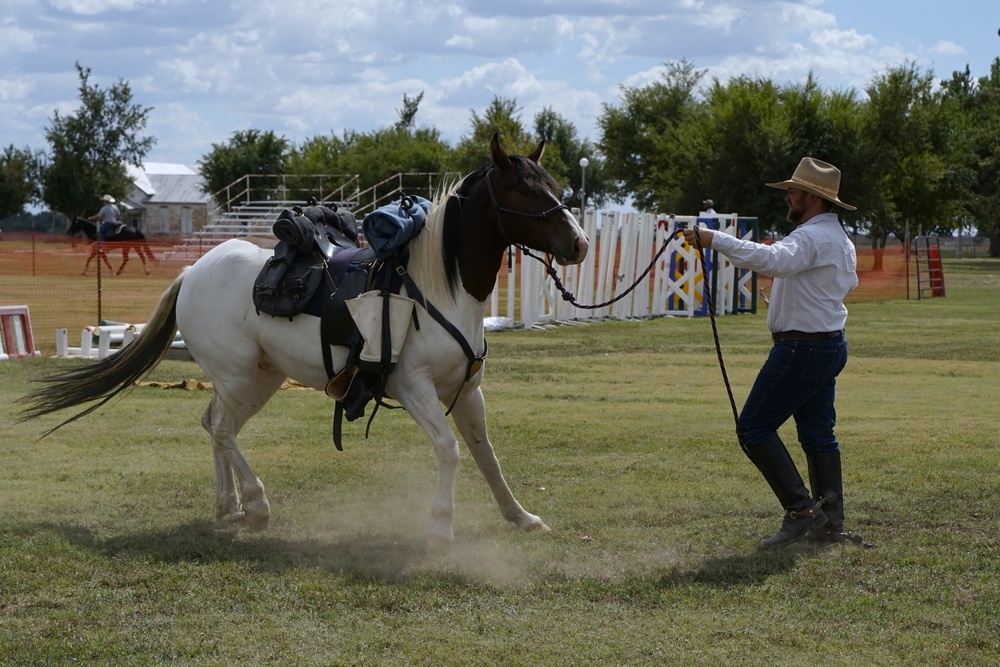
(90, 258)
(425, 409)
(469, 414)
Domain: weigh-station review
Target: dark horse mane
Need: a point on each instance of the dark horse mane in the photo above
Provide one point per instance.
(527, 173)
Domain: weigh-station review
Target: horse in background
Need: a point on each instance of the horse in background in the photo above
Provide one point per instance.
(127, 239)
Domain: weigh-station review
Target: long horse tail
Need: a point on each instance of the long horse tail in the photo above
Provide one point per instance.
(105, 378)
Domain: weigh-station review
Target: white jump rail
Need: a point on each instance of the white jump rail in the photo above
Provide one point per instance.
(622, 246)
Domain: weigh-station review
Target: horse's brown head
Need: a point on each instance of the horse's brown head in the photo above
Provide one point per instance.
(527, 208)
(511, 201)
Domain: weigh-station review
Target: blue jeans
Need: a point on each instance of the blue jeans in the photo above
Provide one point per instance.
(798, 380)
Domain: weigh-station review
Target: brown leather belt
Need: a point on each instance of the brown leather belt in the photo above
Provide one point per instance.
(778, 336)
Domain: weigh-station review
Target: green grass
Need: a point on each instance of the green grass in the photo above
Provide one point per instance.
(618, 434)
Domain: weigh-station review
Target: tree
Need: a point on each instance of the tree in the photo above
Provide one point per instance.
(408, 113)
(827, 126)
(503, 116)
(563, 150)
(642, 141)
(91, 148)
(743, 142)
(249, 153)
(402, 148)
(910, 136)
(978, 102)
(321, 154)
(376, 156)
(19, 171)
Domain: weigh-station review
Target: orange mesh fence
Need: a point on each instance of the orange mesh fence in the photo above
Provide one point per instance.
(43, 271)
(881, 275)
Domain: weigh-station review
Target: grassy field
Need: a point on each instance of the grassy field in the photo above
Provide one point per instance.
(618, 434)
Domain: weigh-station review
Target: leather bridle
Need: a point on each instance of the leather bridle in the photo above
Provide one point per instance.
(500, 209)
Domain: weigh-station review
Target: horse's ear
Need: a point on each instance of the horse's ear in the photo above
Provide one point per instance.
(497, 154)
(536, 154)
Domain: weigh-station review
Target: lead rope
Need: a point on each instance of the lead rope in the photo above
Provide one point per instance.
(718, 346)
(568, 296)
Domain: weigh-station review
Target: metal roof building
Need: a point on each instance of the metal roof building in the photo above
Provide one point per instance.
(167, 198)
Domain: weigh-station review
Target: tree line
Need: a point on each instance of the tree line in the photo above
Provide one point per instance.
(913, 150)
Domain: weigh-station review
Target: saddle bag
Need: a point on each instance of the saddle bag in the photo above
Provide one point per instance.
(287, 282)
(309, 239)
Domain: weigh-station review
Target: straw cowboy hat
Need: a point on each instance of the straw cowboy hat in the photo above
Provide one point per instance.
(108, 198)
(815, 177)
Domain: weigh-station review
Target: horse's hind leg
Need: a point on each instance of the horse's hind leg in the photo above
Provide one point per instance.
(142, 258)
(103, 255)
(124, 262)
(469, 414)
(147, 251)
(246, 505)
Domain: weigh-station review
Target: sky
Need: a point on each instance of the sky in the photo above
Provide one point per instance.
(210, 68)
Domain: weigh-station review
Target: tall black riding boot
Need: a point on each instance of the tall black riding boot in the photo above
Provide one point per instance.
(801, 511)
(827, 483)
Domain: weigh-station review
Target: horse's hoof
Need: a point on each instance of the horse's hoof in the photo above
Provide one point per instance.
(532, 522)
(226, 521)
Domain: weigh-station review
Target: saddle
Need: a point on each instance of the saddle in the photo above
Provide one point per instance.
(308, 240)
(111, 233)
(319, 269)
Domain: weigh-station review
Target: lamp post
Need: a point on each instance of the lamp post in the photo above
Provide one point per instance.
(584, 162)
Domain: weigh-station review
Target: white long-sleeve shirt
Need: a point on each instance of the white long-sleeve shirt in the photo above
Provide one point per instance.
(813, 268)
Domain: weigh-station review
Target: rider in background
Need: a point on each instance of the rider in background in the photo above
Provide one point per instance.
(108, 219)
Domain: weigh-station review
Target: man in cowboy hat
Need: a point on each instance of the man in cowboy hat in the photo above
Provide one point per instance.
(108, 219)
(813, 268)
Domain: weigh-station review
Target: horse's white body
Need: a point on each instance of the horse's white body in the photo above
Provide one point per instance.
(248, 356)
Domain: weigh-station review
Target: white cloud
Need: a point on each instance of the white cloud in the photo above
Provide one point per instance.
(947, 48)
(842, 40)
(305, 68)
(15, 40)
(94, 7)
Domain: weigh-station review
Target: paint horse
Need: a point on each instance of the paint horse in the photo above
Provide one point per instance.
(453, 263)
(127, 239)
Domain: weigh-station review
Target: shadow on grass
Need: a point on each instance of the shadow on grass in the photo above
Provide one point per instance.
(736, 570)
(381, 557)
(388, 557)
